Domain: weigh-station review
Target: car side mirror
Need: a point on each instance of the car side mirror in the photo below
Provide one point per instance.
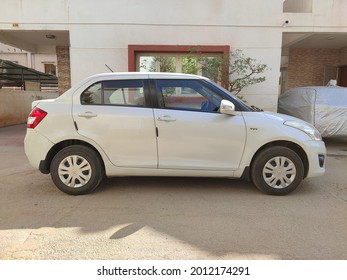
(227, 107)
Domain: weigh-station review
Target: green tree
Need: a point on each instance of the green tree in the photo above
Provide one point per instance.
(190, 65)
(234, 71)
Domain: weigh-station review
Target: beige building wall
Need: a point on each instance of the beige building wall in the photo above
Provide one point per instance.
(101, 31)
(15, 106)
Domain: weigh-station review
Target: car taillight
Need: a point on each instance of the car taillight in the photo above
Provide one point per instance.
(35, 117)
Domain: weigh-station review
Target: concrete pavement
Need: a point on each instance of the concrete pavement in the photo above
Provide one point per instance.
(169, 218)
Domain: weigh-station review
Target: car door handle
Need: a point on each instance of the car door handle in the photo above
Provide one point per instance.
(166, 118)
(88, 115)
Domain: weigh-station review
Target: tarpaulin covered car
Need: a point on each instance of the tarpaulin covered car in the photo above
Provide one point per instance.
(323, 107)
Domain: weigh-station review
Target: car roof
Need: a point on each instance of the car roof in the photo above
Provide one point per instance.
(150, 75)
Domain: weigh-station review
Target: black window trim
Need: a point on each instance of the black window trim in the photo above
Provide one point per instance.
(239, 106)
(146, 93)
(156, 96)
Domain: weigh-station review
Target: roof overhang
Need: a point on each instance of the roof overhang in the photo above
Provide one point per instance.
(35, 41)
(320, 40)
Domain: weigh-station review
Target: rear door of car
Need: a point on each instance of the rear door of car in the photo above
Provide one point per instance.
(116, 115)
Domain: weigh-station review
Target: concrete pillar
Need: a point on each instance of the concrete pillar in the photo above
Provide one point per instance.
(63, 68)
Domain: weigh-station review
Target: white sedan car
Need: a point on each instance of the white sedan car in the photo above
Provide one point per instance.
(159, 124)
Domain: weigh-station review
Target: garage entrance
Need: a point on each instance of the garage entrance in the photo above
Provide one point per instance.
(342, 80)
(44, 42)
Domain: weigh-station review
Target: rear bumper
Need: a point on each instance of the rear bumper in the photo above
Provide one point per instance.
(36, 147)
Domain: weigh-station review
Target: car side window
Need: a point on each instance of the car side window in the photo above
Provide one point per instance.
(92, 95)
(187, 95)
(115, 92)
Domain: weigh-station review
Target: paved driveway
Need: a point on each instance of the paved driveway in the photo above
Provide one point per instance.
(169, 218)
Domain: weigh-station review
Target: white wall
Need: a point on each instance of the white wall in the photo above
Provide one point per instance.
(100, 31)
(246, 25)
(15, 106)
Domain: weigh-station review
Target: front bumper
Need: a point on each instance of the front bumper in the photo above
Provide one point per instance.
(316, 155)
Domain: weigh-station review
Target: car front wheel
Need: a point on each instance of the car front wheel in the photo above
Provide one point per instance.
(277, 170)
(76, 170)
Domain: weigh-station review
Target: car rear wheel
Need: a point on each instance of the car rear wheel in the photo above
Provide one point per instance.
(76, 170)
(277, 170)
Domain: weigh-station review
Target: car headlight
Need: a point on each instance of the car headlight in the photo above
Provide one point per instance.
(305, 127)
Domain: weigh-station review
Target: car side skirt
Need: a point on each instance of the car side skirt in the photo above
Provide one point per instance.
(111, 171)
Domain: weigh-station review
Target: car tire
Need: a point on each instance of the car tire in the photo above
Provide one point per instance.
(277, 170)
(77, 170)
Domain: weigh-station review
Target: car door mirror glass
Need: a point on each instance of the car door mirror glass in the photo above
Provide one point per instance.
(227, 107)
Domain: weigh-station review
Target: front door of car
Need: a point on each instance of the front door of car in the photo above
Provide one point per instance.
(113, 114)
(192, 134)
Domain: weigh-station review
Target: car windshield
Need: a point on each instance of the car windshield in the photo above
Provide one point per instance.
(251, 108)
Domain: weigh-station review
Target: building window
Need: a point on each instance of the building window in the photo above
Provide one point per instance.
(172, 62)
(297, 6)
(50, 69)
(167, 58)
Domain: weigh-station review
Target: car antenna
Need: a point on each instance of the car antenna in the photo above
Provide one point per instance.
(109, 68)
